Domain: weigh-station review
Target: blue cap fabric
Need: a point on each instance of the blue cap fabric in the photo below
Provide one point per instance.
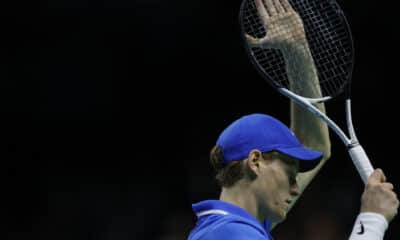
(265, 133)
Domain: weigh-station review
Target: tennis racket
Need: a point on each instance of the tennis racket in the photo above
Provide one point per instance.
(304, 49)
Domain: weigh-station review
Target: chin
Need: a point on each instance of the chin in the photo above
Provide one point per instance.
(283, 217)
(278, 217)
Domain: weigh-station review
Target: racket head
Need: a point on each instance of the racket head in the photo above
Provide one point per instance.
(329, 38)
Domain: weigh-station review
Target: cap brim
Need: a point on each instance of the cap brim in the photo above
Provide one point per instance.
(308, 159)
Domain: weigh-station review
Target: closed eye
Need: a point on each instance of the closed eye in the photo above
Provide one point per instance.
(292, 178)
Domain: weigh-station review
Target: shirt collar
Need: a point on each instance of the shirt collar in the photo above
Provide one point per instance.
(220, 207)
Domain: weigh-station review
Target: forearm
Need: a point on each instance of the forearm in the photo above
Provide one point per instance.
(303, 77)
(311, 131)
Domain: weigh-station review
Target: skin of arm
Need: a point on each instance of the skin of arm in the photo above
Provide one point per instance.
(302, 74)
(310, 130)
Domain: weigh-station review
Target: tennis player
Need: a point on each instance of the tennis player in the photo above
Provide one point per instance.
(263, 167)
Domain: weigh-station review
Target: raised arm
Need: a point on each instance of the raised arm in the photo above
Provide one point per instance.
(286, 33)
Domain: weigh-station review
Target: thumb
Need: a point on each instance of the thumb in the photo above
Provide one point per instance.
(252, 41)
(377, 176)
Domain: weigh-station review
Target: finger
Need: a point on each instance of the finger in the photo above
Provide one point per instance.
(262, 12)
(388, 185)
(394, 196)
(286, 5)
(270, 7)
(383, 176)
(377, 176)
(253, 42)
(278, 6)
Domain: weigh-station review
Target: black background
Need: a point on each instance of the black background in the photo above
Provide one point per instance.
(109, 109)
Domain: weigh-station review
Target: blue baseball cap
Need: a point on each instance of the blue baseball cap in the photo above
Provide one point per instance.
(265, 133)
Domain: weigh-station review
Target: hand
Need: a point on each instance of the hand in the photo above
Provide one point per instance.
(283, 25)
(378, 196)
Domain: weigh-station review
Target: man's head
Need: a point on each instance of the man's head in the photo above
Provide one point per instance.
(261, 153)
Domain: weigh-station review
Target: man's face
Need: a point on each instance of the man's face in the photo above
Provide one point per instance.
(277, 186)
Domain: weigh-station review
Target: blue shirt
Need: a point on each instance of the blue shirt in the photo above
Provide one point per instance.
(217, 220)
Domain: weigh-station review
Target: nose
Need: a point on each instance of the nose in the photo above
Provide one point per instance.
(294, 190)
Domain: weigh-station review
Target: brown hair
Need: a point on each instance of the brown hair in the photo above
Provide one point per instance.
(227, 175)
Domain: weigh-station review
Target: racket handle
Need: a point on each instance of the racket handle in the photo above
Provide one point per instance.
(361, 161)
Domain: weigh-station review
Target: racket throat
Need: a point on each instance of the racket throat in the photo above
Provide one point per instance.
(350, 127)
(300, 99)
(308, 103)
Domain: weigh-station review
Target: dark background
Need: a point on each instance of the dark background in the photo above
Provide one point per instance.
(109, 110)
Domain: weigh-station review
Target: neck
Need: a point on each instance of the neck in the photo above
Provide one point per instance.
(242, 196)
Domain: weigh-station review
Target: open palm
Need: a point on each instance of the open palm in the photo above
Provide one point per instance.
(283, 25)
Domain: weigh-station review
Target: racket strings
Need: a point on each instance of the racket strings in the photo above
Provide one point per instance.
(328, 38)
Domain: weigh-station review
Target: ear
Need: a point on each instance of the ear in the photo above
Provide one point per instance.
(254, 161)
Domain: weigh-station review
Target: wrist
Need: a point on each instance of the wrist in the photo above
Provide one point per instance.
(296, 50)
(369, 226)
(298, 57)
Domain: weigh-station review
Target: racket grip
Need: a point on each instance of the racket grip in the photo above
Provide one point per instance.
(361, 161)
